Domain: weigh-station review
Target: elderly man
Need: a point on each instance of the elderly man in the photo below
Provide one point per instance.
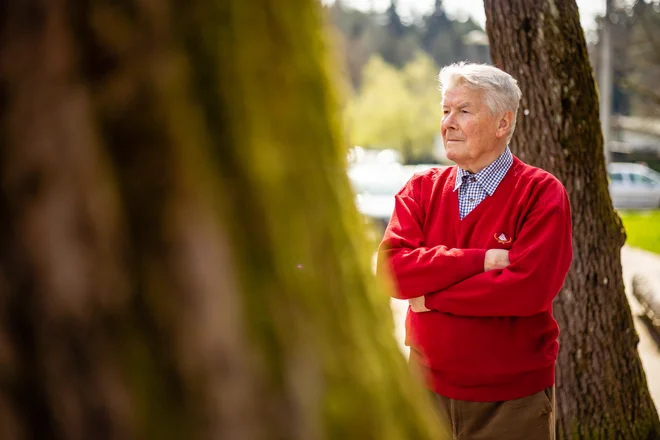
(480, 250)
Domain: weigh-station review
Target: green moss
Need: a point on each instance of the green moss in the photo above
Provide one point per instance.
(233, 105)
(157, 408)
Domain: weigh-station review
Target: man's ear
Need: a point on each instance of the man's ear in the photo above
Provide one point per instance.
(504, 124)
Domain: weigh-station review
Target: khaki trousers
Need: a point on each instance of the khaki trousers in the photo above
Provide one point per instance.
(527, 418)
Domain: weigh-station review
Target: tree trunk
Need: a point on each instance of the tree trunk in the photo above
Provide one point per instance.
(181, 255)
(601, 386)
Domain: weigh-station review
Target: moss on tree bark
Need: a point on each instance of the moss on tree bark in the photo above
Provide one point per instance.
(181, 256)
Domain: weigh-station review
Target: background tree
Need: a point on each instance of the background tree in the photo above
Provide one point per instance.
(360, 36)
(438, 38)
(364, 34)
(639, 76)
(442, 38)
(180, 252)
(601, 386)
(401, 41)
(397, 109)
(636, 48)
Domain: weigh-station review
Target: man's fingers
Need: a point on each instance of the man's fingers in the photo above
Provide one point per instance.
(418, 304)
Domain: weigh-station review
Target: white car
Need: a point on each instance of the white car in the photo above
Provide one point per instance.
(410, 170)
(634, 186)
(375, 186)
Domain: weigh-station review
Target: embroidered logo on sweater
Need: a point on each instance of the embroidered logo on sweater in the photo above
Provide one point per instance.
(502, 238)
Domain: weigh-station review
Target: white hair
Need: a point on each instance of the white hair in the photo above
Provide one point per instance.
(500, 90)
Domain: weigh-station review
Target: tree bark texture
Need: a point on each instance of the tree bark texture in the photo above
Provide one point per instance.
(601, 385)
(179, 251)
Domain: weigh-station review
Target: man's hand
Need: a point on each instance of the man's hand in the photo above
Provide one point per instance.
(496, 259)
(417, 304)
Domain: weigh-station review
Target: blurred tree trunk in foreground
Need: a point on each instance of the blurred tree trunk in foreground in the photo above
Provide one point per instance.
(601, 386)
(179, 254)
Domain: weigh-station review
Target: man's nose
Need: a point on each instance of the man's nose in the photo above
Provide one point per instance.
(448, 122)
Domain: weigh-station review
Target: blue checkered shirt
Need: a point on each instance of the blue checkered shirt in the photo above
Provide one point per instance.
(474, 188)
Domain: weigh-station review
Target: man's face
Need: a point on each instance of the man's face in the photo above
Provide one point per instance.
(469, 130)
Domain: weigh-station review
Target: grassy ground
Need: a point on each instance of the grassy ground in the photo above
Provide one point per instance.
(643, 229)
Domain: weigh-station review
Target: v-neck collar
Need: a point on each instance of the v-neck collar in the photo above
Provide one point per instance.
(505, 186)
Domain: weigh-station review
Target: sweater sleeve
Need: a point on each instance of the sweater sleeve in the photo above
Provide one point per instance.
(539, 261)
(418, 269)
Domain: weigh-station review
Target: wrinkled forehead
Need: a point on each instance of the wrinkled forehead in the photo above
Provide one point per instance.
(461, 95)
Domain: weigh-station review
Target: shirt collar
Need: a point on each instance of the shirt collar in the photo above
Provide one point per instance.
(490, 177)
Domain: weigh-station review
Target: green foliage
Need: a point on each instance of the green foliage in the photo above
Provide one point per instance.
(319, 321)
(397, 109)
(367, 34)
(642, 229)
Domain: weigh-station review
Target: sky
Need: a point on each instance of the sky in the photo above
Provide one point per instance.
(589, 9)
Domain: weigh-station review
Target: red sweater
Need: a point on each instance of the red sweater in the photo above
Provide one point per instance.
(489, 335)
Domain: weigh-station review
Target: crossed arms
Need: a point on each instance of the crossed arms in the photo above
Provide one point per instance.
(478, 282)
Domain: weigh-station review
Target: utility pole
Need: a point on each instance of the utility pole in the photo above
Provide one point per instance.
(605, 83)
